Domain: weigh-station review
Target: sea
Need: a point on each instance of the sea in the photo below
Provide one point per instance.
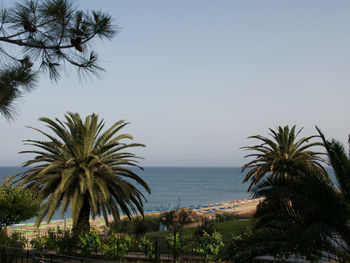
(180, 186)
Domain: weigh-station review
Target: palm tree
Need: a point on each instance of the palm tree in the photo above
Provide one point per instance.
(84, 168)
(282, 155)
(304, 215)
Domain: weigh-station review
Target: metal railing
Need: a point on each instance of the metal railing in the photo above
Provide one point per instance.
(17, 255)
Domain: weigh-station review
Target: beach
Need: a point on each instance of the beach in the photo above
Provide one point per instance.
(242, 207)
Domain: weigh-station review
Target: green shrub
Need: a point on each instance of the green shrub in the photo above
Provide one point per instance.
(62, 242)
(67, 243)
(137, 226)
(3, 237)
(140, 226)
(207, 226)
(17, 205)
(14, 240)
(51, 241)
(182, 243)
(38, 243)
(225, 217)
(210, 245)
(117, 246)
(89, 243)
(149, 248)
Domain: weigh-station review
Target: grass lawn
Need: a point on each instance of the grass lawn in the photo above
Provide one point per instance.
(226, 229)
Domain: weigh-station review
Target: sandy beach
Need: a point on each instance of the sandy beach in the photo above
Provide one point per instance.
(243, 207)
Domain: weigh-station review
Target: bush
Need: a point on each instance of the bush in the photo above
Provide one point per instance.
(117, 246)
(50, 241)
(90, 243)
(67, 242)
(149, 248)
(210, 245)
(38, 243)
(17, 205)
(62, 242)
(141, 226)
(225, 217)
(15, 240)
(137, 226)
(182, 243)
(207, 226)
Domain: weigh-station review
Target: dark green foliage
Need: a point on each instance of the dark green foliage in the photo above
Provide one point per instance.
(38, 243)
(62, 242)
(17, 205)
(283, 156)
(137, 226)
(46, 36)
(116, 246)
(90, 243)
(84, 168)
(182, 242)
(140, 226)
(67, 243)
(15, 81)
(14, 240)
(211, 246)
(303, 214)
(225, 217)
(206, 226)
(175, 220)
(150, 248)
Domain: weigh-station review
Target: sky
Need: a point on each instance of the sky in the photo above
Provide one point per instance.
(196, 78)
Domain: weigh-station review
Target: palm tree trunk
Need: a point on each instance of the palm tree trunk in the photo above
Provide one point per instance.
(83, 223)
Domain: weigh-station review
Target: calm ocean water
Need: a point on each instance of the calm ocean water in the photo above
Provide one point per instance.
(187, 185)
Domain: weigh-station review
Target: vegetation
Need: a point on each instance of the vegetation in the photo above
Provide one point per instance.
(45, 36)
(226, 229)
(180, 244)
(149, 248)
(175, 220)
(138, 226)
(90, 243)
(206, 227)
(210, 245)
(62, 242)
(283, 156)
(84, 244)
(15, 240)
(304, 214)
(117, 246)
(17, 205)
(85, 168)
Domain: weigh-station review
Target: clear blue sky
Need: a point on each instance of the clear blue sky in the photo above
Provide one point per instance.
(196, 78)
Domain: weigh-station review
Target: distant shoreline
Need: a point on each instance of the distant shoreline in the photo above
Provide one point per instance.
(242, 207)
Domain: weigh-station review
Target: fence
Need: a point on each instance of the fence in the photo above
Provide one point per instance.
(17, 255)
